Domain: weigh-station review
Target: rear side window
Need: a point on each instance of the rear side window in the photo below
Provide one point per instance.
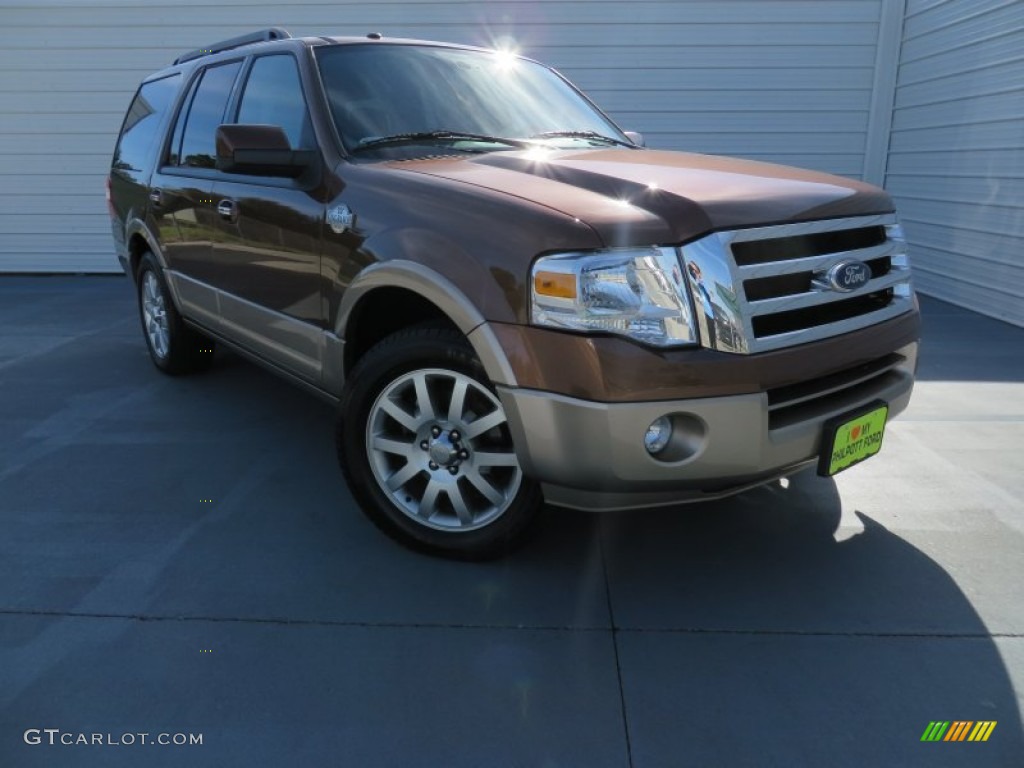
(203, 115)
(141, 125)
(273, 96)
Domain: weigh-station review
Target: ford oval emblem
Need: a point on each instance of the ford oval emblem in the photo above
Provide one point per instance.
(848, 276)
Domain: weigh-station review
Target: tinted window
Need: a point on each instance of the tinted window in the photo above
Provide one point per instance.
(205, 114)
(179, 125)
(139, 134)
(273, 96)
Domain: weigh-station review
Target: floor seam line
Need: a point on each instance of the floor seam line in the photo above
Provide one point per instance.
(615, 646)
(615, 629)
(296, 622)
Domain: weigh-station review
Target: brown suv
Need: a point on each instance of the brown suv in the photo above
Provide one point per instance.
(509, 298)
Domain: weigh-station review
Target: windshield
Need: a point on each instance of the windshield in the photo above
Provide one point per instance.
(379, 91)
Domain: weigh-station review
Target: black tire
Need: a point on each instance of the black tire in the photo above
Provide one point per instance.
(173, 347)
(456, 515)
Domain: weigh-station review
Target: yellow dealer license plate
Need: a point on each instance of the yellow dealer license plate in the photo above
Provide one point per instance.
(851, 438)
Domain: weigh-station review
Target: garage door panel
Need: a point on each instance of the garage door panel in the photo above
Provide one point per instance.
(998, 134)
(998, 78)
(987, 218)
(966, 58)
(958, 189)
(944, 14)
(957, 111)
(977, 163)
(92, 203)
(703, 57)
(970, 29)
(24, 165)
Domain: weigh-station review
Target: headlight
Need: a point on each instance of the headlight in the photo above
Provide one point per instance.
(639, 293)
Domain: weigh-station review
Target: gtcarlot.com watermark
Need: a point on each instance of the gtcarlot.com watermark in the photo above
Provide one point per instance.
(56, 737)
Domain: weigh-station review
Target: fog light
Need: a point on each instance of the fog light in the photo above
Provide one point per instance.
(658, 435)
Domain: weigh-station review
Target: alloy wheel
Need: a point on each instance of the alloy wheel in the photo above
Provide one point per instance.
(440, 448)
(154, 315)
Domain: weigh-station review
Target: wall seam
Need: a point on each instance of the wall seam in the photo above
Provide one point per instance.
(883, 93)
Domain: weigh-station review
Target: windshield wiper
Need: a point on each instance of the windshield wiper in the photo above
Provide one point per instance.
(589, 135)
(430, 136)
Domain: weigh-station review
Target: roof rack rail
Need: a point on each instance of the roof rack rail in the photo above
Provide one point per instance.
(274, 33)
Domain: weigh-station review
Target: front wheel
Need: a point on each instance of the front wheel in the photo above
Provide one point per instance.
(425, 445)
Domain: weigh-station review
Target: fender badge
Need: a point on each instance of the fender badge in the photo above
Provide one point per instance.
(340, 219)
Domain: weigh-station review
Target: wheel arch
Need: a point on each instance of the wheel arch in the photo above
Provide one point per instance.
(424, 295)
(140, 240)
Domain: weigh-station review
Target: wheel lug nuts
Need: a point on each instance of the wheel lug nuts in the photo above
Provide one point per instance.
(454, 434)
(433, 466)
(453, 470)
(425, 445)
(435, 431)
(463, 454)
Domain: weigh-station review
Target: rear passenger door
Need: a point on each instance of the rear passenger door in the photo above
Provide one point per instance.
(181, 190)
(267, 246)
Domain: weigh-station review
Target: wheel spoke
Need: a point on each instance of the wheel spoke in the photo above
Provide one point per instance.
(428, 504)
(491, 493)
(458, 402)
(485, 423)
(395, 411)
(403, 476)
(396, 447)
(495, 460)
(459, 503)
(423, 397)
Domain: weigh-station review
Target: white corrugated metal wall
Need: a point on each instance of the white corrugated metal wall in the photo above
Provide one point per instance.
(784, 80)
(956, 153)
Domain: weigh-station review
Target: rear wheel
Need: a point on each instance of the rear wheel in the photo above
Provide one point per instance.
(425, 444)
(173, 347)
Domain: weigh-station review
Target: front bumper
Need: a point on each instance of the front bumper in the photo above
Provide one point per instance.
(591, 455)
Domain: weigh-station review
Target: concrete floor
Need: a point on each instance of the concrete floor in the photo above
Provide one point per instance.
(823, 624)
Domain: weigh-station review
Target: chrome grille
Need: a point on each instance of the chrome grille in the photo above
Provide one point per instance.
(765, 288)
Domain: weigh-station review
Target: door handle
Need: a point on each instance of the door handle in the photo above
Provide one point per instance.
(156, 197)
(227, 209)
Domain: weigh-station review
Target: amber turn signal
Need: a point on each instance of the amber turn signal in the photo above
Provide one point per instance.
(555, 284)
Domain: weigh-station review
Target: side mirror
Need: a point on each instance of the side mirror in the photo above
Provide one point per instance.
(636, 138)
(260, 150)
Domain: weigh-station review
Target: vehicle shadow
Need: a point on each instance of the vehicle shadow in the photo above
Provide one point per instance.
(758, 630)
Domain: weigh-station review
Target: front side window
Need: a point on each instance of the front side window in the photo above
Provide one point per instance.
(273, 96)
(204, 114)
(142, 123)
(378, 91)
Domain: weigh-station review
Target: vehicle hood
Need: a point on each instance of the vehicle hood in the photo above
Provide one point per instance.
(643, 197)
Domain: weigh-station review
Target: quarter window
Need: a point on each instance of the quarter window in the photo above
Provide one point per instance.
(273, 96)
(142, 122)
(205, 113)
